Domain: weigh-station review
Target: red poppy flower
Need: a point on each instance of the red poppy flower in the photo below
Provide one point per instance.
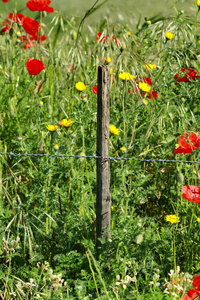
(117, 42)
(37, 37)
(34, 66)
(147, 80)
(4, 29)
(187, 143)
(196, 281)
(30, 25)
(101, 38)
(15, 17)
(135, 89)
(191, 294)
(190, 74)
(94, 88)
(25, 42)
(28, 42)
(144, 79)
(191, 193)
(40, 5)
(5, 1)
(71, 68)
(152, 94)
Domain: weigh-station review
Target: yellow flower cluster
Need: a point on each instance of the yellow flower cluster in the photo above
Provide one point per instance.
(111, 71)
(123, 149)
(80, 86)
(114, 130)
(126, 76)
(52, 127)
(172, 219)
(66, 123)
(150, 67)
(198, 3)
(144, 87)
(169, 35)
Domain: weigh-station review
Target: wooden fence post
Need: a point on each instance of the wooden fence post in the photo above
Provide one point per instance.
(103, 200)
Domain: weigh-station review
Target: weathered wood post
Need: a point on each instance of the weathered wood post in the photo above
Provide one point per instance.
(103, 200)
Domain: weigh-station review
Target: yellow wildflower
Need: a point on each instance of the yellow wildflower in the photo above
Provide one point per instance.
(169, 35)
(144, 87)
(80, 86)
(150, 67)
(52, 127)
(114, 130)
(56, 147)
(126, 76)
(18, 33)
(108, 59)
(123, 149)
(66, 123)
(172, 219)
(111, 71)
(149, 21)
(145, 102)
(198, 3)
(198, 219)
(115, 208)
(41, 103)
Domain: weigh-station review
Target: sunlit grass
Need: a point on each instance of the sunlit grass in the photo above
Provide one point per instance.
(48, 204)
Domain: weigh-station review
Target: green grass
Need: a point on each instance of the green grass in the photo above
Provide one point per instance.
(47, 204)
(115, 11)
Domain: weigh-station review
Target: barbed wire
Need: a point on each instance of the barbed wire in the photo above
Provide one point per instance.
(100, 157)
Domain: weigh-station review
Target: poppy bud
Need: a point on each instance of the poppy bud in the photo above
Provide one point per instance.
(74, 35)
(113, 45)
(11, 31)
(123, 46)
(180, 177)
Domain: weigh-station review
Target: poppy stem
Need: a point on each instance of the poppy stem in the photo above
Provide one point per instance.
(114, 149)
(195, 166)
(132, 136)
(41, 14)
(174, 247)
(123, 102)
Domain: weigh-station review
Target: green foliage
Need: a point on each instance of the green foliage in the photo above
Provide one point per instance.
(48, 209)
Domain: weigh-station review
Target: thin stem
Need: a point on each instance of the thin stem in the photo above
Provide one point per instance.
(174, 6)
(83, 19)
(114, 149)
(174, 248)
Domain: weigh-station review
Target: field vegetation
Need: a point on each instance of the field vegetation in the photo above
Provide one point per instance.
(48, 83)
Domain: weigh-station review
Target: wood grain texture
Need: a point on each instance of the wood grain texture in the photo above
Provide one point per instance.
(103, 201)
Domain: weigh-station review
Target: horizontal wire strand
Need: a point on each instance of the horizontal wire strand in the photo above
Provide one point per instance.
(100, 157)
